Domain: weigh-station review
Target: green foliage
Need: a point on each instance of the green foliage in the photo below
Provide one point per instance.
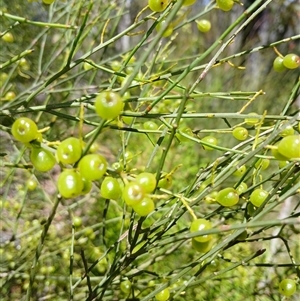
(159, 162)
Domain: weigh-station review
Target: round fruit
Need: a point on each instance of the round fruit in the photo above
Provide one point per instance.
(77, 221)
(211, 140)
(201, 247)
(241, 188)
(127, 119)
(8, 37)
(24, 129)
(287, 287)
(251, 120)
(87, 186)
(92, 166)
(110, 188)
(289, 146)
(48, 1)
(262, 164)
(240, 171)
(227, 197)
(165, 182)
(87, 66)
(225, 5)
(31, 184)
(147, 180)
(23, 64)
(168, 31)
(240, 133)
(125, 286)
(185, 130)
(277, 155)
(3, 78)
(9, 96)
(278, 65)
(69, 183)
(158, 5)
(201, 224)
(163, 295)
(69, 151)
(289, 130)
(258, 196)
(203, 25)
(144, 207)
(291, 61)
(133, 193)
(150, 125)
(108, 105)
(188, 2)
(116, 65)
(42, 159)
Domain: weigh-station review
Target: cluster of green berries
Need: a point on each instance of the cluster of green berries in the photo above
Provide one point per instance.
(136, 194)
(290, 61)
(78, 170)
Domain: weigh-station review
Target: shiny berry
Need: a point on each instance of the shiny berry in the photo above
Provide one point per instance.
(133, 193)
(42, 159)
(147, 180)
(225, 5)
(291, 61)
(240, 133)
(109, 105)
(24, 129)
(158, 5)
(227, 197)
(69, 183)
(278, 65)
(287, 287)
(203, 25)
(110, 188)
(92, 166)
(211, 140)
(258, 196)
(144, 207)
(289, 146)
(69, 151)
(200, 225)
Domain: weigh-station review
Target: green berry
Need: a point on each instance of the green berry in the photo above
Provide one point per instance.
(227, 197)
(110, 188)
(109, 105)
(210, 140)
(278, 65)
(200, 225)
(203, 25)
(24, 129)
(291, 61)
(133, 193)
(144, 207)
(42, 159)
(69, 151)
(92, 167)
(287, 287)
(258, 196)
(69, 183)
(158, 5)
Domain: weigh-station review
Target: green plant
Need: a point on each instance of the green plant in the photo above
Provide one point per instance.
(135, 205)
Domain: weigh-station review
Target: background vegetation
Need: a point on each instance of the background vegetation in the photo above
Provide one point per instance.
(191, 84)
